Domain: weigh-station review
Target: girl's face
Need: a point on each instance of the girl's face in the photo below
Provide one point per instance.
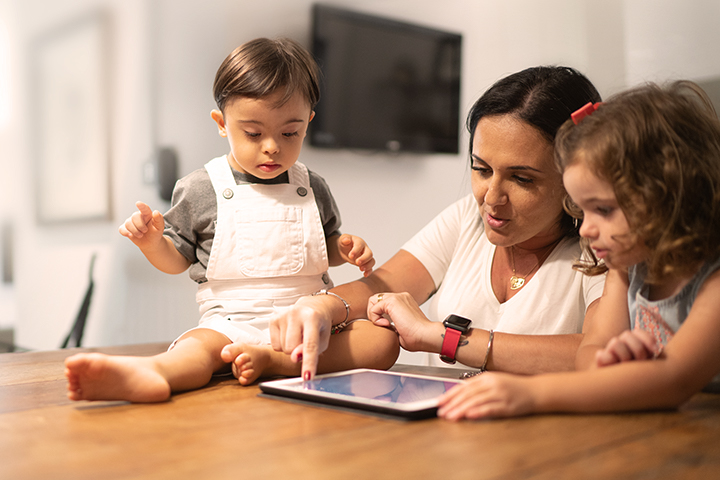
(265, 140)
(516, 183)
(604, 223)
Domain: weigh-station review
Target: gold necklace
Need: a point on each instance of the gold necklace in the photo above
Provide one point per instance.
(517, 282)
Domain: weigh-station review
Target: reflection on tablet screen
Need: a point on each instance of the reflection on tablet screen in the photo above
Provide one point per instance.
(384, 388)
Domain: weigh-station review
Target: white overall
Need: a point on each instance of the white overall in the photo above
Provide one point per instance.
(268, 251)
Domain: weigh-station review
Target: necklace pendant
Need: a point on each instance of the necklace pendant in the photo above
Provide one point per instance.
(516, 283)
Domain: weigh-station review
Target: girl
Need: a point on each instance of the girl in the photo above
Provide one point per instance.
(644, 168)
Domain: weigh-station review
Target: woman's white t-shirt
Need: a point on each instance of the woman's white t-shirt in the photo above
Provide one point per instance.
(456, 252)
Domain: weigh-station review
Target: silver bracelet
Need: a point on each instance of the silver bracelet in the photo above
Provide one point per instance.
(466, 375)
(344, 323)
(487, 352)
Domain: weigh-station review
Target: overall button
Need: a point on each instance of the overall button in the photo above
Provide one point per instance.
(228, 193)
(302, 191)
(325, 278)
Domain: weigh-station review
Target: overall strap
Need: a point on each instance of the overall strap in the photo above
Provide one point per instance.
(298, 175)
(220, 173)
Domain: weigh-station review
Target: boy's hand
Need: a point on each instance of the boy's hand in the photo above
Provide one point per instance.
(353, 249)
(630, 345)
(145, 227)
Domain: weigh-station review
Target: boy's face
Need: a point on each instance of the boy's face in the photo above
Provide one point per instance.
(604, 223)
(265, 140)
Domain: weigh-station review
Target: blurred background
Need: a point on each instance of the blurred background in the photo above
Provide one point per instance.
(144, 74)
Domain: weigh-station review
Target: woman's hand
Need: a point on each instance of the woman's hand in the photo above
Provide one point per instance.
(401, 311)
(630, 345)
(486, 396)
(303, 331)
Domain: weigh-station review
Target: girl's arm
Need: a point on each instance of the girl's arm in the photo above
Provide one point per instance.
(611, 319)
(688, 362)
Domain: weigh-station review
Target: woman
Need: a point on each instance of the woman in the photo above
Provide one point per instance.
(501, 257)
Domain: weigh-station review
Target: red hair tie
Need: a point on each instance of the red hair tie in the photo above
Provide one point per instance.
(584, 111)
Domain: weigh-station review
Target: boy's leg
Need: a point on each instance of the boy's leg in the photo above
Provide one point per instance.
(360, 345)
(190, 364)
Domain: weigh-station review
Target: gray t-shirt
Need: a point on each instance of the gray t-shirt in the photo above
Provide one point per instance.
(190, 222)
(663, 318)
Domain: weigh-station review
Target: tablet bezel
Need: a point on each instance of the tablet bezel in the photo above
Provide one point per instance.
(291, 388)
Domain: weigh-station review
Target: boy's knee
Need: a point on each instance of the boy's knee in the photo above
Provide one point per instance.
(388, 347)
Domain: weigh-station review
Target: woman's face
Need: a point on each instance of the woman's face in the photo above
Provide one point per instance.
(516, 183)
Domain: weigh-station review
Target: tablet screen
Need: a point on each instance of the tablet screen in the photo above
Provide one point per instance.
(377, 390)
(381, 387)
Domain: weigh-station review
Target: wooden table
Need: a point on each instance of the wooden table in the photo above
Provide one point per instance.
(228, 431)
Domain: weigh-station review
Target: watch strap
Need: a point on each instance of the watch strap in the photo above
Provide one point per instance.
(451, 340)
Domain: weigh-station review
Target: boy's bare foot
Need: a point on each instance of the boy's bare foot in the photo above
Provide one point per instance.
(95, 376)
(250, 362)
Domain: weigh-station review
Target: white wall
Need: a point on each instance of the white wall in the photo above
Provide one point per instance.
(384, 198)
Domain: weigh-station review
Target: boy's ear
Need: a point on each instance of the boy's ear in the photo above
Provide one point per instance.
(220, 120)
(312, 115)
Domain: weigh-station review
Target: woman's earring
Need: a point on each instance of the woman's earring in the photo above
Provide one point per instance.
(576, 222)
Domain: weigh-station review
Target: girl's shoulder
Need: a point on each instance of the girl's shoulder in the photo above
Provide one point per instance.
(706, 271)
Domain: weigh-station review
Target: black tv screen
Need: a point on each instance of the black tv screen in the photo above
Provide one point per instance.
(386, 85)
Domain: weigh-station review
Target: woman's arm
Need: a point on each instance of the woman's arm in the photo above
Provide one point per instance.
(303, 331)
(402, 273)
(521, 354)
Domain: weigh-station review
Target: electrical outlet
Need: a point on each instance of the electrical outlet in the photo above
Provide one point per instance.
(149, 173)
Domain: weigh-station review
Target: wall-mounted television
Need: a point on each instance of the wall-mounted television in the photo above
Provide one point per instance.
(386, 85)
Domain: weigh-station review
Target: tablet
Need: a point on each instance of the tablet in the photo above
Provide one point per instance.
(392, 393)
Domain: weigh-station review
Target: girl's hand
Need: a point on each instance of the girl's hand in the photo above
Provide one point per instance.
(630, 345)
(354, 250)
(401, 311)
(488, 395)
(145, 227)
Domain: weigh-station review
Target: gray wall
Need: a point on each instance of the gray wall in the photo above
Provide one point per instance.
(163, 57)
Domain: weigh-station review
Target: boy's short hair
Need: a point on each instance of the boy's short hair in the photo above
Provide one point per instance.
(263, 66)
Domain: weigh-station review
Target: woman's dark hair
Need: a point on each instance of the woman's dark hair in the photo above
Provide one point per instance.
(543, 97)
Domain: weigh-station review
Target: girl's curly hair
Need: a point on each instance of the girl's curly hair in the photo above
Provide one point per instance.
(659, 147)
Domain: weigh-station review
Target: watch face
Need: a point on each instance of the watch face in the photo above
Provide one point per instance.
(457, 322)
